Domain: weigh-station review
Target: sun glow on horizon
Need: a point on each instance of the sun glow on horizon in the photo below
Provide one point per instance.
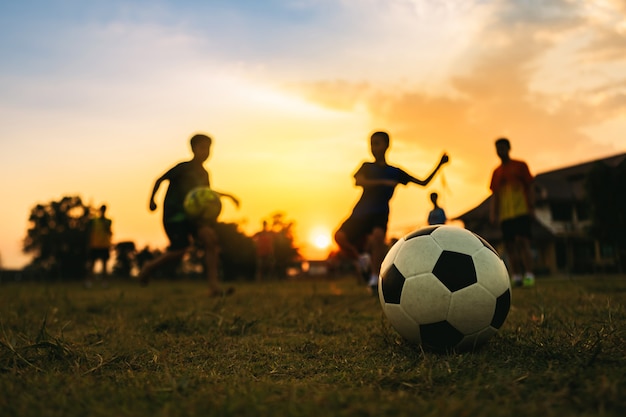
(320, 238)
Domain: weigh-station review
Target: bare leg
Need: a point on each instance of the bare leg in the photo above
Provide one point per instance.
(525, 254)
(379, 249)
(105, 269)
(344, 244)
(105, 273)
(209, 240)
(264, 267)
(511, 250)
(526, 261)
(514, 258)
(89, 277)
(165, 258)
(351, 252)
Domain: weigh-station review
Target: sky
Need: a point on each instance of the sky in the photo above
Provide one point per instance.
(100, 98)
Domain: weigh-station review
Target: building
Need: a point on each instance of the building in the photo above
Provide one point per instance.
(561, 239)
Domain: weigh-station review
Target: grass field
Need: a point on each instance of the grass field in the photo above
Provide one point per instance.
(301, 348)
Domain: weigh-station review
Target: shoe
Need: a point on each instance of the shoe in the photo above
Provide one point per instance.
(365, 261)
(516, 280)
(529, 280)
(372, 281)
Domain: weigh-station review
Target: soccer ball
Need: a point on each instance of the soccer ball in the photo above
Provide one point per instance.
(444, 288)
(202, 203)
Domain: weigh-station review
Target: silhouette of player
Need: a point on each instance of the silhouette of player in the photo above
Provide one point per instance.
(512, 207)
(437, 215)
(366, 228)
(181, 230)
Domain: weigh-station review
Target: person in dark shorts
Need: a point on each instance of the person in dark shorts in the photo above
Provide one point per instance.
(181, 230)
(99, 234)
(362, 237)
(512, 206)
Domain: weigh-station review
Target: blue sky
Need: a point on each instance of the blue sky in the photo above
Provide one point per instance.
(98, 98)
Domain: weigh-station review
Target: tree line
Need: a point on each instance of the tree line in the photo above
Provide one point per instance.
(57, 240)
(57, 235)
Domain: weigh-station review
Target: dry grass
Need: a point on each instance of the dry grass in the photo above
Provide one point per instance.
(301, 348)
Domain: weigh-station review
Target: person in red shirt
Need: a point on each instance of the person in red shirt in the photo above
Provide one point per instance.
(264, 245)
(512, 206)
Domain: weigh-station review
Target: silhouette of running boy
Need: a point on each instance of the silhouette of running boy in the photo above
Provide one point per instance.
(181, 230)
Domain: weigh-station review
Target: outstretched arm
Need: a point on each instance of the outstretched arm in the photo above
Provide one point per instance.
(234, 199)
(444, 159)
(157, 184)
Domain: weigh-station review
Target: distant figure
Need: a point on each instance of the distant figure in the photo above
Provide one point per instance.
(512, 206)
(181, 230)
(367, 225)
(437, 215)
(264, 245)
(99, 234)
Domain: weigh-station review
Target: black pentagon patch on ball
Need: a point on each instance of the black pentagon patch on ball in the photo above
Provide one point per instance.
(503, 305)
(424, 231)
(392, 284)
(440, 336)
(455, 270)
(487, 244)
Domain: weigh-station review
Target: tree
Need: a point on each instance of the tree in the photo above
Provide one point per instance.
(57, 237)
(237, 258)
(237, 251)
(606, 192)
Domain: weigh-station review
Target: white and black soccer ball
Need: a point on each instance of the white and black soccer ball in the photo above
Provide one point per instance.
(444, 288)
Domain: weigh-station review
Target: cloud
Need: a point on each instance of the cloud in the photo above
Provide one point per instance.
(496, 95)
(334, 94)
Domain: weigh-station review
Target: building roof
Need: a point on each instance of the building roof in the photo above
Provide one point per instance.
(567, 184)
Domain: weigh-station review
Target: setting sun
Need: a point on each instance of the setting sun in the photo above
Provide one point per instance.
(320, 239)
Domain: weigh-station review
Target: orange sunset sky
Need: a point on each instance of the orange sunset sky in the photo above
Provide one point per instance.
(98, 99)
